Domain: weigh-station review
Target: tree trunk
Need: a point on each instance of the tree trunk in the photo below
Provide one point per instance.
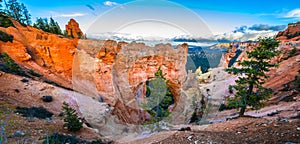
(242, 111)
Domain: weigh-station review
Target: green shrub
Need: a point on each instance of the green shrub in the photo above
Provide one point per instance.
(6, 37)
(198, 112)
(290, 35)
(293, 52)
(99, 142)
(225, 107)
(33, 73)
(71, 119)
(38, 112)
(9, 64)
(57, 138)
(5, 21)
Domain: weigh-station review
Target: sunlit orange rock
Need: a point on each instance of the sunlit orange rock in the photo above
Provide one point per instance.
(73, 29)
(46, 53)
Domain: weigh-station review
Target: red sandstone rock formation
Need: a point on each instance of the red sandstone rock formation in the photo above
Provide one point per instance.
(293, 30)
(48, 54)
(224, 61)
(119, 72)
(107, 69)
(73, 29)
(231, 53)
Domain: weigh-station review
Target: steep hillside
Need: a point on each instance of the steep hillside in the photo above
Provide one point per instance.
(292, 32)
(45, 53)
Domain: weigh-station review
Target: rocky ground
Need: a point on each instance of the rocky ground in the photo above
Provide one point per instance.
(241, 130)
(277, 123)
(17, 91)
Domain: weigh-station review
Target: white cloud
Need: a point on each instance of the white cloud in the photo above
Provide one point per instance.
(230, 36)
(245, 36)
(70, 15)
(293, 13)
(109, 3)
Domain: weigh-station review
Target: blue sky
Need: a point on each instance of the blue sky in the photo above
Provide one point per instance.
(221, 16)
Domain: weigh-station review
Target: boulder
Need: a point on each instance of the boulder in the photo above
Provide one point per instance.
(47, 98)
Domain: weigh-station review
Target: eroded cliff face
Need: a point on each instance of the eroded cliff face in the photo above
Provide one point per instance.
(226, 57)
(48, 54)
(231, 56)
(109, 71)
(120, 72)
(292, 32)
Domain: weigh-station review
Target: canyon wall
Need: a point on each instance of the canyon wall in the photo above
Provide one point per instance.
(226, 57)
(292, 32)
(110, 71)
(232, 53)
(48, 54)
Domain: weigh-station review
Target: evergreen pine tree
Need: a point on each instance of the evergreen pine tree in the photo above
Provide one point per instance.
(14, 10)
(249, 89)
(52, 26)
(57, 29)
(1, 5)
(40, 24)
(71, 119)
(46, 25)
(18, 11)
(26, 16)
(65, 33)
(158, 96)
(34, 25)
